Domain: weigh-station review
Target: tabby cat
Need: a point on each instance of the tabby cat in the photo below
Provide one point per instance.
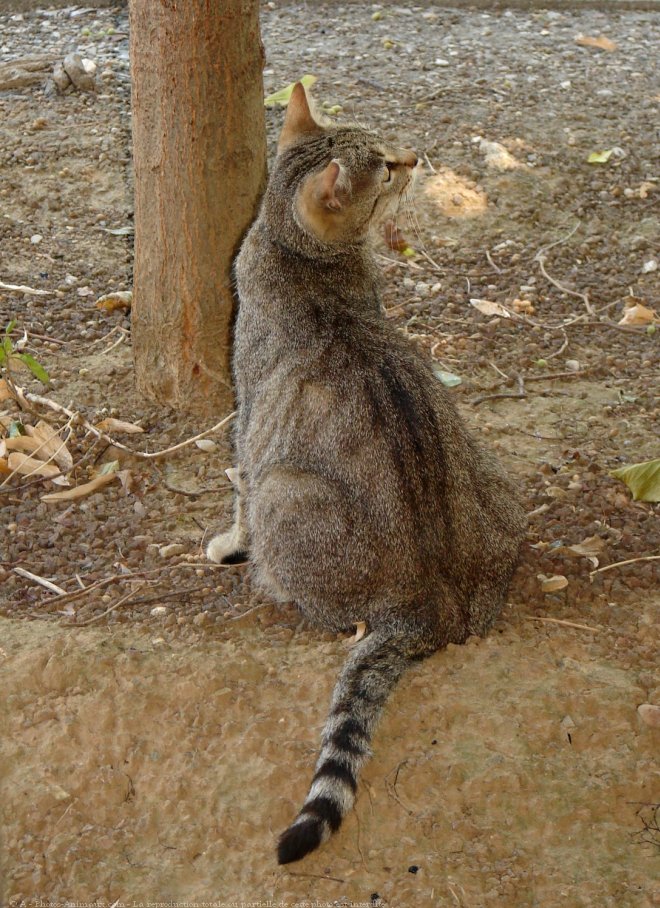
(361, 495)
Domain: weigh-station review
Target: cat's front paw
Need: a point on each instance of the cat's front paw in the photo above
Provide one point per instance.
(227, 548)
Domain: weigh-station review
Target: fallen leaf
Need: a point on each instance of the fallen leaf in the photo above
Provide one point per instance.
(600, 157)
(119, 231)
(638, 315)
(394, 238)
(4, 465)
(117, 425)
(87, 488)
(643, 480)
(552, 584)
(121, 299)
(600, 43)
(360, 631)
(590, 548)
(28, 466)
(489, 308)
(5, 393)
(283, 96)
(53, 445)
(206, 445)
(448, 379)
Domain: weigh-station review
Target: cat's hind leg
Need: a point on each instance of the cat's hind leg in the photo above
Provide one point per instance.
(231, 547)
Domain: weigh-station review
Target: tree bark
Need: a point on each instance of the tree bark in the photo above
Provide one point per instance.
(199, 148)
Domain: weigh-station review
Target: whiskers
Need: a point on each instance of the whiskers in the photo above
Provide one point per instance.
(406, 208)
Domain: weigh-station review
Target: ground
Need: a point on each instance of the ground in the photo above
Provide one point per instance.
(159, 728)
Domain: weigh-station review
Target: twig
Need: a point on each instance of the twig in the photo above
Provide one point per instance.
(430, 166)
(107, 611)
(492, 263)
(316, 876)
(520, 395)
(250, 610)
(40, 580)
(549, 376)
(610, 567)
(561, 349)
(29, 291)
(583, 296)
(582, 627)
(26, 397)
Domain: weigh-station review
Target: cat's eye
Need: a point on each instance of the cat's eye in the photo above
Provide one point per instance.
(387, 172)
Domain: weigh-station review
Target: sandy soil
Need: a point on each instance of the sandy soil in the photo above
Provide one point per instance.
(155, 757)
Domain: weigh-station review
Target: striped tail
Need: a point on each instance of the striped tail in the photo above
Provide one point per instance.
(371, 672)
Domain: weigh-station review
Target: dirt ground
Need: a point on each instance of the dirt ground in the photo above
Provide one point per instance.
(159, 728)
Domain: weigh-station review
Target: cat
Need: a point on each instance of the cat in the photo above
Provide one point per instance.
(361, 496)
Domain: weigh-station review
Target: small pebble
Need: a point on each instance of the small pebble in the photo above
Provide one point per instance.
(36, 239)
(169, 551)
(649, 714)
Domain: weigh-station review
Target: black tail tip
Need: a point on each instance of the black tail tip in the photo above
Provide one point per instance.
(299, 839)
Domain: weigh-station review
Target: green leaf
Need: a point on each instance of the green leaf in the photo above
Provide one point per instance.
(600, 157)
(35, 368)
(409, 252)
(7, 345)
(110, 467)
(15, 429)
(283, 96)
(448, 379)
(643, 479)
(10, 327)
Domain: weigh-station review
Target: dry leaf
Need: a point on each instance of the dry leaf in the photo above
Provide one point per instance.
(27, 466)
(81, 491)
(5, 393)
(4, 466)
(52, 445)
(590, 548)
(638, 315)
(600, 43)
(489, 308)
(121, 299)
(117, 425)
(206, 445)
(552, 584)
(360, 631)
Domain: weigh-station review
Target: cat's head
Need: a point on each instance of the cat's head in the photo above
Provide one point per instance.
(337, 181)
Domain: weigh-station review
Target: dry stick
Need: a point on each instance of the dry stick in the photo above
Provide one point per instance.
(552, 375)
(610, 567)
(540, 259)
(107, 611)
(561, 349)
(26, 397)
(30, 291)
(114, 578)
(582, 627)
(40, 580)
(520, 395)
(495, 267)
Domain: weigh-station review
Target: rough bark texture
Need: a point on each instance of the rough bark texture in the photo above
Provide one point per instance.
(199, 148)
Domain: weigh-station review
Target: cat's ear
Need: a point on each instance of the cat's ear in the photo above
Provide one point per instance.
(299, 120)
(326, 185)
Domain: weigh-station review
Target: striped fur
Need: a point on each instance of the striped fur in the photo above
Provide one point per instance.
(372, 671)
(361, 495)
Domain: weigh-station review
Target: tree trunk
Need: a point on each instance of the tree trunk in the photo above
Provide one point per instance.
(199, 147)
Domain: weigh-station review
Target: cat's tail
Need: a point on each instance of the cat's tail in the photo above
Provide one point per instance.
(371, 672)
